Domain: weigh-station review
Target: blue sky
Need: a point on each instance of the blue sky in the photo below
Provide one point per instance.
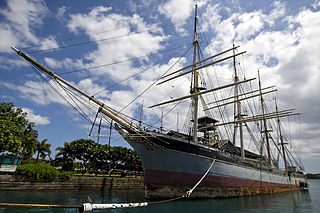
(281, 39)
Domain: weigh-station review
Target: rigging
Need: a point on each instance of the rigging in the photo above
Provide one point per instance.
(123, 61)
(98, 40)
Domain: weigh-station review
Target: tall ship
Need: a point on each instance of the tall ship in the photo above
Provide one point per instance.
(227, 135)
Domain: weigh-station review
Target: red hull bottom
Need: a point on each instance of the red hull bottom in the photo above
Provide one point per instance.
(164, 184)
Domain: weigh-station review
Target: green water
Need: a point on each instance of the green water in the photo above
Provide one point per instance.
(304, 201)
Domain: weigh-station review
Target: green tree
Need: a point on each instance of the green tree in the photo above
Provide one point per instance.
(84, 150)
(117, 157)
(102, 156)
(15, 131)
(95, 157)
(132, 161)
(43, 149)
(64, 158)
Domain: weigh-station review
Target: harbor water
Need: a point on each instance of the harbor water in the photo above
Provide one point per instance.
(298, 201)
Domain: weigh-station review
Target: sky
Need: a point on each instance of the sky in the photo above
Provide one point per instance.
(129, 44)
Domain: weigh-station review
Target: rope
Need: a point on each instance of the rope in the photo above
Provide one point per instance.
(119, 62)
(99, 40)
(36, 206)
(154, 82)
(86, 207)
(188, 193)
(90, 206)
(99, 110)
(168, 200)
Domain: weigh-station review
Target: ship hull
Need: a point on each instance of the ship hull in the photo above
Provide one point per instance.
(169, 173)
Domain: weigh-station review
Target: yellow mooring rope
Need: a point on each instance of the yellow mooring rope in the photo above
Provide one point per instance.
(36, 206)
(86, 207)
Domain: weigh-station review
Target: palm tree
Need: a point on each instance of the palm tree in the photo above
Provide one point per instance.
(64, 158)
(43, 149)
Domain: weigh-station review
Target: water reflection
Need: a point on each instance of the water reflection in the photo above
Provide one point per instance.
(298, 201)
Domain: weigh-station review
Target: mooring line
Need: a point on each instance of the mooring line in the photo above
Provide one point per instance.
(86, 207)
(90, 206)
(191, 190)
(36, 206)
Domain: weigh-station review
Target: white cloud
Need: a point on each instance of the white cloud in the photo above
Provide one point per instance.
(8, 37)
(20, 20)
(24, 15)
(53, 63)
(284, 48)
(44, 94)
(250, 23)
(37, 92)
(316, 4)
(9, 63)
(238, 27)
(93, 20)
(178, 11)
(65, 63)
(278, 11)
(47, 43)
(210, 21)
(37, 119)
(91, 88)
(115, 50)
(61, 13)
(133, 40)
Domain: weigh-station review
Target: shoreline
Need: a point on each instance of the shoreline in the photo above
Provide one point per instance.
(14, 183)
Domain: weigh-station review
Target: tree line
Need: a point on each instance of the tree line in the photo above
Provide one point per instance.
(82, 155)
(88, 156)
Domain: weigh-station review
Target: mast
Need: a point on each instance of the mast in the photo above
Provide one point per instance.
(110, 132)
(195, 80)
(264, 122)
(161, 126)
(281, 139)
(235, 99)
(237, 106)
(141, 113)
(177, 121)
